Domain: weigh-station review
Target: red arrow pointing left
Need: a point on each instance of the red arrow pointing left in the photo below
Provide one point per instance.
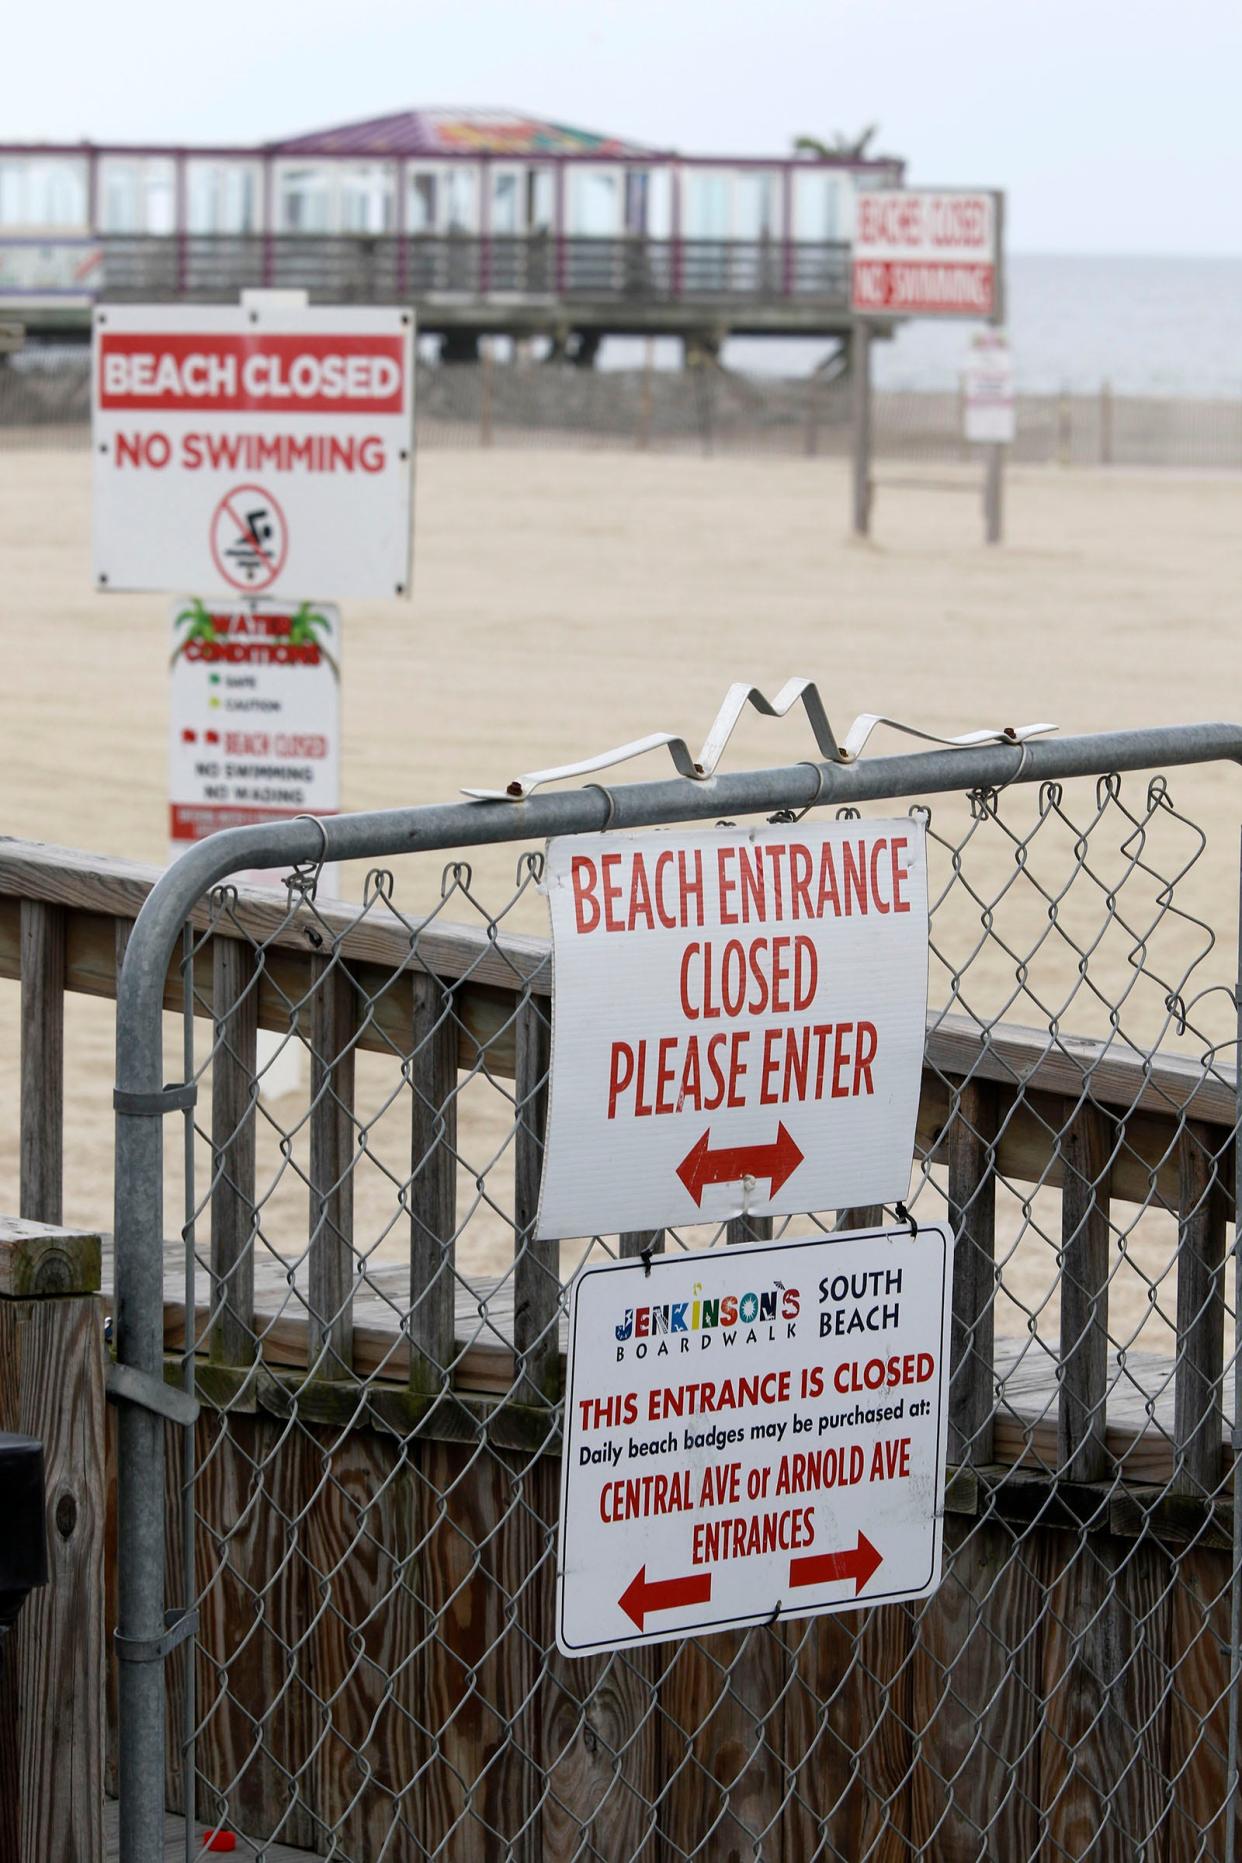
(862, 1563)
(663, 1594)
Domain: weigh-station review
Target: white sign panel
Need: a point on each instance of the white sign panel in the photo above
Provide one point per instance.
(753, 1432)
(258, 450)
(925, 254)
(738, 1022)
(256, 714)
(989, 400)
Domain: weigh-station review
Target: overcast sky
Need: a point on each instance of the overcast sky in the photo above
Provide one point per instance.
(1114, 127)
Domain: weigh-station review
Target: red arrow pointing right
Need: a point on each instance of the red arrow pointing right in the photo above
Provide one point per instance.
(663, 1594)
(828, 1568)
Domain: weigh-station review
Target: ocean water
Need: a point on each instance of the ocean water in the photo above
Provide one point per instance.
(1148, 325)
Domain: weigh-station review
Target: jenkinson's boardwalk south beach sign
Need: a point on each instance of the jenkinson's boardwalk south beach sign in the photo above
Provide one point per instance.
(923, 253)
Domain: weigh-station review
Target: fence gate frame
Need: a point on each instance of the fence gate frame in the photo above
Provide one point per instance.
(145, 1632)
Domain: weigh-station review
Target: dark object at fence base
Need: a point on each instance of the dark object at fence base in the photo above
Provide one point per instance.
(23, 1544)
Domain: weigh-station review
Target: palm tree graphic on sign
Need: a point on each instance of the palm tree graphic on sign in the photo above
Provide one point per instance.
(198, 625)
(302, 625)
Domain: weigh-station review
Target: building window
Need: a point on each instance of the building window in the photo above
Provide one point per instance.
(43, 192)
(221, 197)
(304, 201)
(367, 197)
(137, 194)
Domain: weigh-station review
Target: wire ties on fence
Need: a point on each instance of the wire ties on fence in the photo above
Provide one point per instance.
(530, 867)
(610, 802)
(304, 878)
(380, 883)
(451, 880)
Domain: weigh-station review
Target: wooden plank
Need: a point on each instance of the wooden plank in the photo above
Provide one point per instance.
(42, 1060)
(481, 1546)
(359, 1540)
(601, 1753)
(234, 1092)
(52, 1388)
(720, 1711)
(1103, 1747)
(847, 1736)
(972, 1215)
(1084, 1143)
(975, 1674)
(1117, 1076)
(40, 1258)
(1200, 1312)
(537, 1265)
(333, 1023)
(433, 1186)
(1198, 1711)
(174, 1842)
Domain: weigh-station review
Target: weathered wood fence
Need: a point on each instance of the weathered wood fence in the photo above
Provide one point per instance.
(374, 1528)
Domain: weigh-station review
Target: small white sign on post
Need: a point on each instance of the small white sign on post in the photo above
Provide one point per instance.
(989, 398)
(261, 449)
(926, 253)
(753, 1433)
(738, 1022)
(256, 714)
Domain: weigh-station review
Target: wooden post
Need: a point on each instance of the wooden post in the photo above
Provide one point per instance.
(1106, 423)
(485, 397)
(1065, 432)
(972, 1213)
(862, 1216)
(748, 1229)
(235, 1006)
(638, 1241)
(537, 1270)
(860, 357)
(333, 1023)
(42, 1092)
(993, 492)
(52, 1668)
(812, 414)
(433, 1188)
(1200, 1312)
(1085, 1146)
(645, 396)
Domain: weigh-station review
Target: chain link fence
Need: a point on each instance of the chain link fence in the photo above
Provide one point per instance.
(360, 1525)
(702, 409)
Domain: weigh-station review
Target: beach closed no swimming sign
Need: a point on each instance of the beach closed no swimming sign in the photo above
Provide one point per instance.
(738, 1022)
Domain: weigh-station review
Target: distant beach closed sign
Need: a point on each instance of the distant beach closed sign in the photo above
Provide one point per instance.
(926, 254)
(738, 1022)
(253, 451)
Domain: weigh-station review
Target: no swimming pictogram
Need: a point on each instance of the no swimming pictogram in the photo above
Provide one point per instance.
(249, 538)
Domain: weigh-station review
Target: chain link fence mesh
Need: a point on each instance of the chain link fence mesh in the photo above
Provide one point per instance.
(364, 1516)
(701, 409)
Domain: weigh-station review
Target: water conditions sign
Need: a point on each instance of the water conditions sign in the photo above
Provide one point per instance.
(751, 1433)
(989, 397)
(253, 450)
(256, 714)
(925, 254)
(738, 1022)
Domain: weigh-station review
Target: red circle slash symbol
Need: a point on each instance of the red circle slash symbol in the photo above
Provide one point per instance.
(249, 538)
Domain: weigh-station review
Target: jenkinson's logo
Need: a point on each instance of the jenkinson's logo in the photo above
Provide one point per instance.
(692, 1316)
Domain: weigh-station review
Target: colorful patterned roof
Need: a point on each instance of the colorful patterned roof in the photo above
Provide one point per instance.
(458, 132)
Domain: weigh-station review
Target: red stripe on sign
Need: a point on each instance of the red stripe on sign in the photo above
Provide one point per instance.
(212, 374)
(191, 821)
(913, 285)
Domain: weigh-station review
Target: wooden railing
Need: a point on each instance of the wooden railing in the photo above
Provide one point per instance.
(1102, 1123)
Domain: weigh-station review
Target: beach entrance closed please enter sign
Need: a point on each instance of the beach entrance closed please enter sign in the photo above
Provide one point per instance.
(738, 1023)
(752, 1433)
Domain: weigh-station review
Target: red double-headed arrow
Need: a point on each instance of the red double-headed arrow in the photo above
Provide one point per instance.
(827, 1568)
(642, 1594)
(701, 1165)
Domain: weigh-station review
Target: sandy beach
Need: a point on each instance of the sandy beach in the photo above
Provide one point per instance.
(566, 601)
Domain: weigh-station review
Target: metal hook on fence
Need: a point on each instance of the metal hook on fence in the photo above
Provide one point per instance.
(609, 798)
(783, 816)
(903, 1216)
(304, 878)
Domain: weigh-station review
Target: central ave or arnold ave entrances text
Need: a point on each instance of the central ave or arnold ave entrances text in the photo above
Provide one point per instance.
(738, 1022)
(753, 1432)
